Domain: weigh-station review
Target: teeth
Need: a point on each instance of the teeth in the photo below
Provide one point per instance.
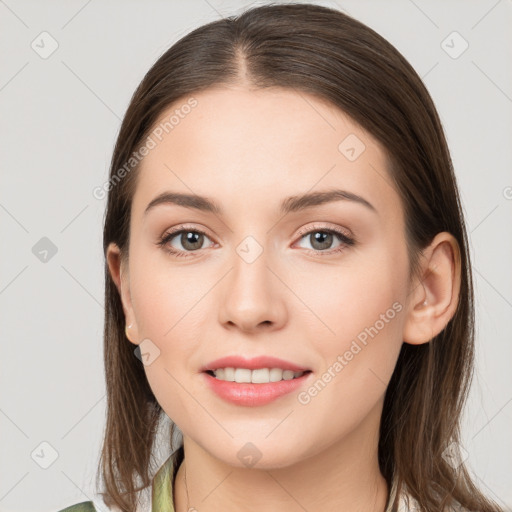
(259, 376)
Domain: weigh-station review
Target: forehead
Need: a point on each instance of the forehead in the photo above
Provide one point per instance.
(250, 148)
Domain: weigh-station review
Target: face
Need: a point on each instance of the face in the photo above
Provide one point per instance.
(322, 285)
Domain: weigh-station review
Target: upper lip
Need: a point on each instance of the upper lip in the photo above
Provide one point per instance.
(252, 364)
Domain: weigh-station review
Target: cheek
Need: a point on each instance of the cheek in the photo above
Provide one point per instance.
(360, 306)
(171, 305)
(359, 355)
(164, 295)
(168, 309)
(353, 295)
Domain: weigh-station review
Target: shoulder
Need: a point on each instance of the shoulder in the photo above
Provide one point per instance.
(84, 506)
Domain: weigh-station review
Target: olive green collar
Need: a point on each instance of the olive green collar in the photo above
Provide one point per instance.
(162, 490)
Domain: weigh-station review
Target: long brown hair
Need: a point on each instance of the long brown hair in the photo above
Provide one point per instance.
(320, 51)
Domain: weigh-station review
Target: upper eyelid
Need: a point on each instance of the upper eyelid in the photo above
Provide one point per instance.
(185, 227)
(315, 227)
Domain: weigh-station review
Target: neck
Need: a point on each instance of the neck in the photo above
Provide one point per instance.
(344, 476)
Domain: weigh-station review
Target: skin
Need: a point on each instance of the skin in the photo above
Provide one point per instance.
(248, 150)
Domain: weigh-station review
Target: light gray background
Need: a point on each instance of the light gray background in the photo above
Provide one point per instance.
(59, 119)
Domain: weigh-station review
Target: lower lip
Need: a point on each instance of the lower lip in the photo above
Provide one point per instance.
(253, 395)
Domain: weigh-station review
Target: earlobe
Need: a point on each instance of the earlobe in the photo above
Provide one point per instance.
(434, 296)
(127, 332)
(119, 274)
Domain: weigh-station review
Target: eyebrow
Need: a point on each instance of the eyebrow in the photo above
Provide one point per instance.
(289, 205)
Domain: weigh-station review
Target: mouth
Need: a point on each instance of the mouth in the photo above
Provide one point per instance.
(253, 388)
(254, 381)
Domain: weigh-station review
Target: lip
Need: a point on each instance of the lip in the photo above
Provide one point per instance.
(253, 363)
(254, 395)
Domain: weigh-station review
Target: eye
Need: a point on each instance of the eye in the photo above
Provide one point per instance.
(190, 240)
(322, 238)
(184, 241)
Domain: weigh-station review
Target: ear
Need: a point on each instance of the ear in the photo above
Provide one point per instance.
(434, 294)
(118, 268)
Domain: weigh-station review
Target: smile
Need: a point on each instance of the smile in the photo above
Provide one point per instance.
(243, 390)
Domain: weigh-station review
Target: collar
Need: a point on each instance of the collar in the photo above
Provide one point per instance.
(161, 492)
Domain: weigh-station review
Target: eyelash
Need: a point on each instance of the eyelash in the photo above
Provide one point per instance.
(346, 240)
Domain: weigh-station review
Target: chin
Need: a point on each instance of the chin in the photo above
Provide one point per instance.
(255, 454)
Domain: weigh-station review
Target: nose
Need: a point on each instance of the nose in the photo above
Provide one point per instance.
(253, 297)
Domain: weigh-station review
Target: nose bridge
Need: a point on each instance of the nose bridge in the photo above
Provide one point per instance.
(253, 296)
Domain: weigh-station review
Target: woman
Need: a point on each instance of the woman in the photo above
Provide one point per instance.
(286, 252)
